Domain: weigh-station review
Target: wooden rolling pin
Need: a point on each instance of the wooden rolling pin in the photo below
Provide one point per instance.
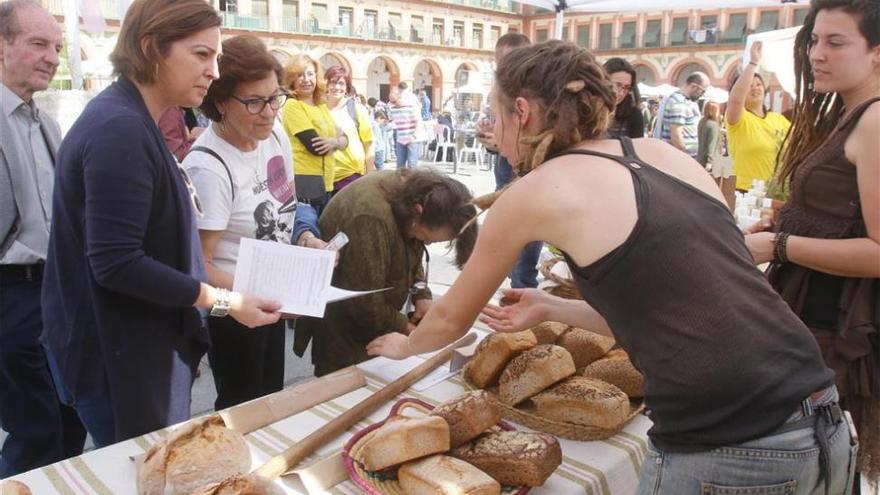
(288, 459)
(256, 414)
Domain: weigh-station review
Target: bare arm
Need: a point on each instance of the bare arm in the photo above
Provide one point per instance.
(216, 276)
(534, 306)
(736, 103)
(677, 137)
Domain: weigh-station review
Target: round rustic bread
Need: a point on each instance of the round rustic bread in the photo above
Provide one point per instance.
(619, 371)
(469, 415)
(493, 353)
(13, 487)
(533, 371)
(585, 346)
(245, 484)
(549, 331)
(584, 401)
(197, 454)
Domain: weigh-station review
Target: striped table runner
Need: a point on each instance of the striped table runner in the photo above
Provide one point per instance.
(607, 467)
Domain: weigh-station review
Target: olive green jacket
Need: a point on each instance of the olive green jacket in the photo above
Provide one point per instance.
(376, 256)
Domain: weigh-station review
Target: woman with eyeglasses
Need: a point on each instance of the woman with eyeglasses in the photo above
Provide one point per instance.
(125, 275)
(242, 168)
(313, 134)
(357, 159)
(628, 119)
(389, 218)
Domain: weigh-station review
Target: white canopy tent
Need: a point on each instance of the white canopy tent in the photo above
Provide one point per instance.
(562, 6)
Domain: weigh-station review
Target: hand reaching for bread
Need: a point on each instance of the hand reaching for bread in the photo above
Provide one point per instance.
(527, 309)
(391, 345)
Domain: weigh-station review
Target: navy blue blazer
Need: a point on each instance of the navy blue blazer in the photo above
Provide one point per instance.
(120, 275)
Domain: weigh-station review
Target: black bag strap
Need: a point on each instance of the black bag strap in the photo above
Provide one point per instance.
(225, 167)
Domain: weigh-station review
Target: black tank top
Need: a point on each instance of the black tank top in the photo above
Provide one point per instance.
(724, 358)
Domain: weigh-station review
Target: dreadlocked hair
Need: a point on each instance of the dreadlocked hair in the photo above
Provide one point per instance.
(572, 88)
(817, 114)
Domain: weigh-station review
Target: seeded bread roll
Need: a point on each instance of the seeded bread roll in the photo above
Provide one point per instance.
(585, 346)
(13, 487)
(197, 454)
(492, 355)
(516, 458)
(549, 331)
(584, 401)
(245, 484)
(405, 439)
(533, 371)
(469, 415)
(616, 369)
(444, 475)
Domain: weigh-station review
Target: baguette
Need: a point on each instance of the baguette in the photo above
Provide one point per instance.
(444, 475)
(533, 371)
(585, 346)
(616, 369)
(404, 439)
(469, 415)
(515, 458)
(492, 355)
(584, 401)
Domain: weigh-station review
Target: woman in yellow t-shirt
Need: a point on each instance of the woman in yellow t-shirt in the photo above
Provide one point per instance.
(357, 159)
(314, 137)
(754, 135)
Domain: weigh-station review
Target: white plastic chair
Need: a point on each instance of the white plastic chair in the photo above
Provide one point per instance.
(444, 143)
(476, 149)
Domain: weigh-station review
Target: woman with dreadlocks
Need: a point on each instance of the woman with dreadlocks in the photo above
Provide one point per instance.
(825, 250)
(738, 393)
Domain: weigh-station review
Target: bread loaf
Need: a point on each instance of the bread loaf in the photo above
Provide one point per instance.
(405, 439)
(533, 371)
(549, 331)
(245, 484)
(514, 457)
(13, 487)
(444, 475)
(197, 454)
(585, 346)
(469, 415)
(493, 354)
(616, 369)
(584, 401)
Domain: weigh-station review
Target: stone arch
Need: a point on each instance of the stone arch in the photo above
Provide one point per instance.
(383, 73)
(461, 70)
(646, 73)
(730, 70)
(427, 74)
(686, 67)
(330, 59)
(282, 54)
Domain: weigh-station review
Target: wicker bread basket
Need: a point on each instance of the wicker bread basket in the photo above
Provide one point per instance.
(526, 416)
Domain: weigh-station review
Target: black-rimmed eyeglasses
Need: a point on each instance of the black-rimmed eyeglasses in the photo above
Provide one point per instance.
(255, 106)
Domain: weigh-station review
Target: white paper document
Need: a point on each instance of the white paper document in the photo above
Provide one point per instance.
(297, 277)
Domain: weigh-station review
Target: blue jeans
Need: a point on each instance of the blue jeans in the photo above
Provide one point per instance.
(380, 160)
(503, 172)
(408, 154)
(785, 463)
(41, 429)
(525, 271)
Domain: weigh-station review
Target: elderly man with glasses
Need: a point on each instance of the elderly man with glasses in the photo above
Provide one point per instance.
(680, 115)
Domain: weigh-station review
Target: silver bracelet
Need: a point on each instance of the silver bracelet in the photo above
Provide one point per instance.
(222, 299)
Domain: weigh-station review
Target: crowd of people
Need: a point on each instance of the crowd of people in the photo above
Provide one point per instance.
(119, 242)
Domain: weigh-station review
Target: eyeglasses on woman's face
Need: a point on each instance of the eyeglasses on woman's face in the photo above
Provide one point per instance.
(255, 106)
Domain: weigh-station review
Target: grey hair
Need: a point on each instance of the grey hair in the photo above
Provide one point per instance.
(9, 27)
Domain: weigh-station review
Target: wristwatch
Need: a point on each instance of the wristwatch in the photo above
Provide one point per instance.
(221, 303)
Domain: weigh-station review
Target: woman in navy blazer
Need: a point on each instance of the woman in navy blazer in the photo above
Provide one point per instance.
(124, 272)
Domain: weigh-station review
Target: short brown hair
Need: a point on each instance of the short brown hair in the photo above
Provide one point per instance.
(245, 59)
(337, 71)
(163, 22)
(296, 67)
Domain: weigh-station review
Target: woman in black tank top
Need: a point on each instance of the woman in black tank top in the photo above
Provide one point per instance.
(663, 268)
(825, 245)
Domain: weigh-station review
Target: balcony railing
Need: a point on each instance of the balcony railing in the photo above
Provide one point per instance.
(674, 40)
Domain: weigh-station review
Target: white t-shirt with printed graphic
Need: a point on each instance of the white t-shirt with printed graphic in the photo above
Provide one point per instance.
(264, 200)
